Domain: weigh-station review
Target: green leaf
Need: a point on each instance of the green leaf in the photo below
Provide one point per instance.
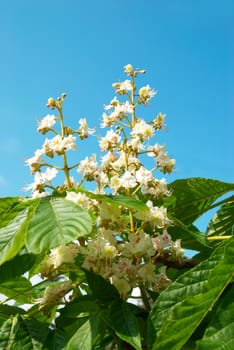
(7, 310)
(85, 336)
(80, 307)
(223, 221)
(183, 305)
(220, 332)
(12, 237)
(125, 201)
(194, 196)
(76, 313)
(7, 205)
(16, 267)
(56, 221)
(36, 267)
(18, 289)
(56, 340)
(100, 288)
(19, 333)
(124, 323)
(129, 202)
(191, 238)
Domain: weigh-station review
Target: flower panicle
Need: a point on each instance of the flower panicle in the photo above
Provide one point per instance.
(124, 241)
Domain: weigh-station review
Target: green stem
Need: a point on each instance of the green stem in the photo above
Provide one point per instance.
(66, 171)
(133, 103)
(218, 238)
(65, 164)
(74, 166)
(54, 131)
(61, 122)
(32, 313)
(122, 123)
(143, 152)
(81, 182)
(145, 298)
(131, 221)
(52, 166)
(154, 169)
(136, 190)
(129, 122)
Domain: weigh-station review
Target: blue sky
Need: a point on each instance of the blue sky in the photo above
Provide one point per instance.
(80, 47)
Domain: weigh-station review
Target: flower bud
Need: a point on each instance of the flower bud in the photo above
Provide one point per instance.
(62, 255)
(158, 122)
(139, 71)
(122, 285)
(145, 94)
(46, 267)
(116, 85)
(51, 103)
(128, 69)
(68, 130)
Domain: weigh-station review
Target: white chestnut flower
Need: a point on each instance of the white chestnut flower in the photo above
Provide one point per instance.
(46, 123)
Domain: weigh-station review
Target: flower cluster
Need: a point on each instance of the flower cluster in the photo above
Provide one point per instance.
(63, 141)
(125, 240)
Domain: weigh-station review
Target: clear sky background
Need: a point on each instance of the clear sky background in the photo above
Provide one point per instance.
(80, 47)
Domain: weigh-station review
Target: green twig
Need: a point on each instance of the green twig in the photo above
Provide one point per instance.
(218, 238)
(145, 299)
